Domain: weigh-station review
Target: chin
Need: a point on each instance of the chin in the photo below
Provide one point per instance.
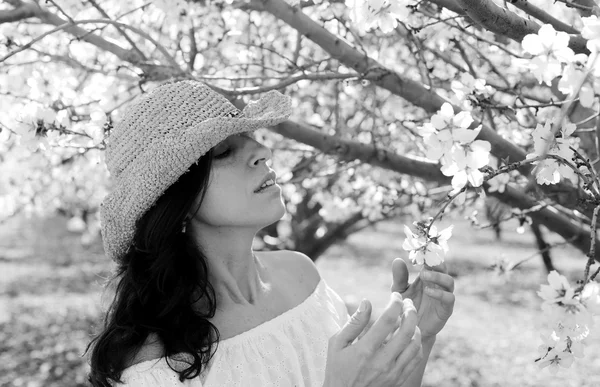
(280, 212)
(275, 214)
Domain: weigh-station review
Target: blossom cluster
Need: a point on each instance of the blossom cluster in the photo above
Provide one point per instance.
(468, 90)
(550, 170)
(569, 315)
(448, 139)
(381, 14)
(427, 245)
(40, 126)
(551, 57)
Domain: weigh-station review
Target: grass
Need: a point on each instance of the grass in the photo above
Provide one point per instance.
(50, 297)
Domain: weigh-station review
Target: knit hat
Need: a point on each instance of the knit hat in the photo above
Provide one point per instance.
(159, 137)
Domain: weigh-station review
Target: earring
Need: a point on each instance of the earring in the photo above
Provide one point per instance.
(184, 226)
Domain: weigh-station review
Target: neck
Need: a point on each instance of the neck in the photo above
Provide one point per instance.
(235, 273)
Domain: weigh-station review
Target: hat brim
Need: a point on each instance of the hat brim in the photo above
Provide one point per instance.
(165, 160)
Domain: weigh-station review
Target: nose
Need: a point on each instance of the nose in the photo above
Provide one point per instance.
(261, 153)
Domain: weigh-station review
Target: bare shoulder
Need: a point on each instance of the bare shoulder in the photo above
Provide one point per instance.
(298, 266)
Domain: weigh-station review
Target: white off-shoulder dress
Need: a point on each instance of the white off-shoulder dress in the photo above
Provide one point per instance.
(288, 350)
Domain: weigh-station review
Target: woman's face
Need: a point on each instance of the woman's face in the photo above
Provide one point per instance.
(238, 169)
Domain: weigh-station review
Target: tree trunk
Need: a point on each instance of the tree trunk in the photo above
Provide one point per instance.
(542, 246)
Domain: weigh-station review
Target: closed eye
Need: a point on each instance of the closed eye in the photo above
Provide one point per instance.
(249, 135)
(222, 153)
(222, 150)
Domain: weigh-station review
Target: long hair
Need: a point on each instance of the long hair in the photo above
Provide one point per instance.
(159, 279)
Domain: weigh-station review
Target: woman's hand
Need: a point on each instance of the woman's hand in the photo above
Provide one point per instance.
(432, 293)
(371, 361)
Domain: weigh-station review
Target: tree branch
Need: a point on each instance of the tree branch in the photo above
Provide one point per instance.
(291, 80)
(131, 42)
(452, 5)
(152, 71)
(408, 89)
(507, 23)
(351, 150)
(155, 72)
(24, 11)
(543, 16)
(370, 69)
(193, 48)
(430, 101)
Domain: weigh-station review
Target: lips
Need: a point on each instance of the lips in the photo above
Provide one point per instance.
(270, 175)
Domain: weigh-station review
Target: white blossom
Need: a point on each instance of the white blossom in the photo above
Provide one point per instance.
(430, 248)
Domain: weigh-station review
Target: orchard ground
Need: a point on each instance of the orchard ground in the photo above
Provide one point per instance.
(50, 297)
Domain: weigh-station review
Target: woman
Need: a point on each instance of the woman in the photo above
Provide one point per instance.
(194, 305)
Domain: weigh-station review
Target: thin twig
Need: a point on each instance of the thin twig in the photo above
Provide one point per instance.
(591, 170)
(166, 54)
(193, 48)
(490, 63)
(592, 253)
(571, 4)
(133, 10)
(513, 265)
(505, 169)
(586, 120)
(290, 81)
(515, 106)
(557, 124)
(465, 58)
(60, 10)
(104, 14)
(419, 48)
(593, 276)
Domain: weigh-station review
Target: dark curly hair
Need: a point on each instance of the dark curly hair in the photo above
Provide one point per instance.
(158, 280)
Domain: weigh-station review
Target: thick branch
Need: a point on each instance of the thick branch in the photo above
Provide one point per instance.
(449, 4)
(352, 150)
(412, 91)
(430, 101)
(151, 70)
(408, 89)
(24, 11)
(48, 17)
(543, 16)
(577, 234)
(507, 23)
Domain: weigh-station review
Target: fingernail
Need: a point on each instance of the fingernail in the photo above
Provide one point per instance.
(362, 307)
(395, 296)
(426, 275)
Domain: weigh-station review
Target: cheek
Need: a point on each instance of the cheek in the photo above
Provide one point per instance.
(222, 202)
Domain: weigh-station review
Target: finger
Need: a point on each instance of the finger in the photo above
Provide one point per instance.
(441, 268)
(353, 327)
(399, 275)
(446, 298)
(404, 373)
(412, 350)
(403, 335)
(441, 279)
(386, 323)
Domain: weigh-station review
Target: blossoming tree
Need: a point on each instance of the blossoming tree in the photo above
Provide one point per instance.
(401, 106)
